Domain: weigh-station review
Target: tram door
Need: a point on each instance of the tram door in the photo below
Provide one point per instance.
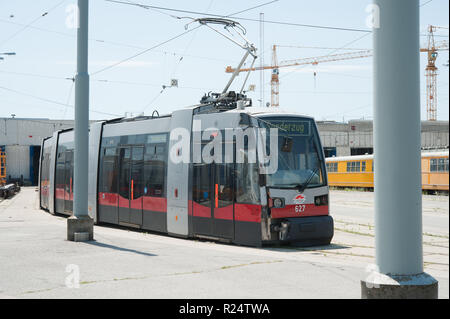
(213, 200)
(68, 182)
(131, 185)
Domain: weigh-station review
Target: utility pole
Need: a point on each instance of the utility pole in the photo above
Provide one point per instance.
(397, 140)
(80, 227)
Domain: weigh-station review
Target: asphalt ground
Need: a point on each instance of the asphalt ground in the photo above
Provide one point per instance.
(36, 260)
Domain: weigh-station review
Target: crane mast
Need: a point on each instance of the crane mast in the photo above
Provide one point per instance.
(274, 82)
(431, 71)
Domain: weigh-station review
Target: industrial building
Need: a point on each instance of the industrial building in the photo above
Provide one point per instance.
(20, 139)
(356, 137)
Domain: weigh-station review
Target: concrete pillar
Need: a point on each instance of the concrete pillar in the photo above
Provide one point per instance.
(80, 225)
(398, 195)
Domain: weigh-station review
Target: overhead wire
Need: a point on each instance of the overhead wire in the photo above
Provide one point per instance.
(119, 44)
(31, 23)
(241, 18)
(425, 3)
(328, 54)
(52, 101)
(162, 43)
(142, 52)
(177, 65)
(229, 15)
(160, 10)
(69, 96)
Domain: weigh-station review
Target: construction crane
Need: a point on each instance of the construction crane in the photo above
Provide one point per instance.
(275, 84)
(431, 71)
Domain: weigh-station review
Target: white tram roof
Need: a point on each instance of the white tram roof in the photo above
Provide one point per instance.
(266, 111)
(369, 157)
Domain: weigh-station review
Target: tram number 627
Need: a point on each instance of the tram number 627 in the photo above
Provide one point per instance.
(300, 208)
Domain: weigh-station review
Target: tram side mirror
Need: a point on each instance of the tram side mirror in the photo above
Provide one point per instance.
(287, 144)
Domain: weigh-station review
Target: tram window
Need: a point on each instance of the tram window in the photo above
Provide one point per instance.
(439, 165)
(363, 166)
(155, 170)
(443, 165)
(150, 150)
(137, 157)
(109, 171)
(140, 139)
(124, 184)
(224, 187)
(332, 167)
(247, 186)
(160, 149)
(201, 188)
(59, 180)
(433, 165)
(68, 169)
(353, 166)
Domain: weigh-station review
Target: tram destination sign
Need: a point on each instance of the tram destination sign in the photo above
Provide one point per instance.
(292, 127)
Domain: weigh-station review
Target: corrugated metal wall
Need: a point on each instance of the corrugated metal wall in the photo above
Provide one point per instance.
(18, 161)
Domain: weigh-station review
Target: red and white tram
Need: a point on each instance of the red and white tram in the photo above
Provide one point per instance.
(134, 182)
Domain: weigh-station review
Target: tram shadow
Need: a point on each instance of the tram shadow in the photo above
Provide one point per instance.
(117, 248)
(296, 247)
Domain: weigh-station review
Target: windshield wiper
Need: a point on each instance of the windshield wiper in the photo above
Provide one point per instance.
(302, 187)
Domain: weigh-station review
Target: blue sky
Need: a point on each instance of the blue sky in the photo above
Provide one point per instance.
(36, 85)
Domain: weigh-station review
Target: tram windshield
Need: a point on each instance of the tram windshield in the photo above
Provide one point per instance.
(300, 157)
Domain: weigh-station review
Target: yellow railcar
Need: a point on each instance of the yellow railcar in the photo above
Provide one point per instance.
(350, 171)
(435, 171)
(357, 171)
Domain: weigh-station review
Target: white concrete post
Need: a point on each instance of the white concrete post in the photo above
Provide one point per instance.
(397, 149)
(81, 114)
(81, 223)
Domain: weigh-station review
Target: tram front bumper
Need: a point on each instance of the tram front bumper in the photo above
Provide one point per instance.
(306, 231)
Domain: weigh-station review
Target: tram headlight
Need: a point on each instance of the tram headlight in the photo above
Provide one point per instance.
(278, 203)
(321, 200)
